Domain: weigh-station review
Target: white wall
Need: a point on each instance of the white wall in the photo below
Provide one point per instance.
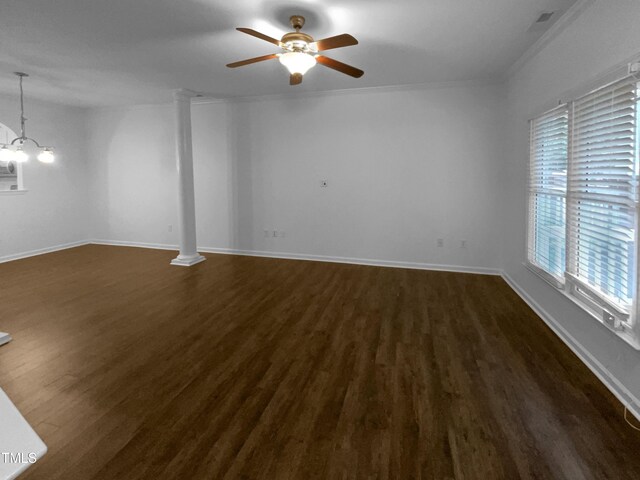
(404, 167)
(54, 211)
(603, 36)
(133, 180)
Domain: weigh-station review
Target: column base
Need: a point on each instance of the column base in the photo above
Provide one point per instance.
(187, 261)
(4, 338)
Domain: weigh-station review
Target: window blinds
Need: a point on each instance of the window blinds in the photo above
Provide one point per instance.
(547, 191)
(603, 193)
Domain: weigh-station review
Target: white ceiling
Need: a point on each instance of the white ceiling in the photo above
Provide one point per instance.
(110, 52)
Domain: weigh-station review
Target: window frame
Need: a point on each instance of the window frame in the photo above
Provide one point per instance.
(626, 325)
(554, 281)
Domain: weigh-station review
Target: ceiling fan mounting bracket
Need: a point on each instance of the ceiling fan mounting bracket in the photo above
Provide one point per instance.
(297, 21)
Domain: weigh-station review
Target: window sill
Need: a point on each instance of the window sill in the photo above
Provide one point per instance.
(550, 279)
(628, 334)
(13, 192)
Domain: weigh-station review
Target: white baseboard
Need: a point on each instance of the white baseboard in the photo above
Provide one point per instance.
(313, 258)
(355, 261)
(120, 243)
(42, 251)
(599, 370)
(4, 338)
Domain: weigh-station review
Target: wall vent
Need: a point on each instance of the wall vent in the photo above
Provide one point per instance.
(545, 17)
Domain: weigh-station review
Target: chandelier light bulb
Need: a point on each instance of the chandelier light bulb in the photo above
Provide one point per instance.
(297, 62)
(20, 155)
(6, 155)
(46, 156)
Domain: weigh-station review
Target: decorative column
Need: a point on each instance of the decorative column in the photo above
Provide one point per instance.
(186, 198)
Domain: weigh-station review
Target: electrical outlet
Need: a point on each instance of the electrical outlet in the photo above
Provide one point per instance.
(275, 234)
(324, 183)
(463, 244)
(440, 242)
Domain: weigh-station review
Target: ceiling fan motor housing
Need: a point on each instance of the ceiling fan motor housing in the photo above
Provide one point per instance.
(297, 41)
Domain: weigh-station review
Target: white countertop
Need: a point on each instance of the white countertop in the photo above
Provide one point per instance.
(20, 445)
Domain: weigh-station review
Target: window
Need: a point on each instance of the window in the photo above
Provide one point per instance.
(603, 196)
(10, 171)
(548, 191)
(583, 201)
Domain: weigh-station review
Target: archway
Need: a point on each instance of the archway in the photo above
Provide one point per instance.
(10, 170)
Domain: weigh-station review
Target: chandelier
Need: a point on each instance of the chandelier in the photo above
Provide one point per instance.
(14, 151)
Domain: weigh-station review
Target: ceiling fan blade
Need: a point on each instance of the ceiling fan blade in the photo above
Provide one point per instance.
(339, 66)
(259, 35)
(295, 79)
(344, 40)
(252, 60)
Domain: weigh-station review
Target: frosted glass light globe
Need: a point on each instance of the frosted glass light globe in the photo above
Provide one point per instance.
(297, 62)
(6, 155)
(46, 156)
(20, 155)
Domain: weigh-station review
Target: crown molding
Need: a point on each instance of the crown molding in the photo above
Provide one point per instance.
(558, 27)
(184, 94)
(353, 91)
(203, 98)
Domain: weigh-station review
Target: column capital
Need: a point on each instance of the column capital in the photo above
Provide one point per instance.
(184, 95)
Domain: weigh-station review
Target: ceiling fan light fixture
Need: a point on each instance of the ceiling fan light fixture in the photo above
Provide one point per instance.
(300, 46)
(297, 62)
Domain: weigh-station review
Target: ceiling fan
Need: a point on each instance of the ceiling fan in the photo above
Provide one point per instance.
(300, 51)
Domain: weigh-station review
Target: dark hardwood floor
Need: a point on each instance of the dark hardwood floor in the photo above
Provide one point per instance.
(242, 368)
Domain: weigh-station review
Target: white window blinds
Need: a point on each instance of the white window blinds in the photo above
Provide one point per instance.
(547, 191)
(603, 194)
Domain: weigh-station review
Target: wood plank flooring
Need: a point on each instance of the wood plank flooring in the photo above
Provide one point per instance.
(254, 368)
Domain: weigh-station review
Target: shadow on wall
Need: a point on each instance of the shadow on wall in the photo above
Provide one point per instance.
(240, 159)
(244, 154)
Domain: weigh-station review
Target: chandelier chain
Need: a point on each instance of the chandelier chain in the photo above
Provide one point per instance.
(22, 119)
